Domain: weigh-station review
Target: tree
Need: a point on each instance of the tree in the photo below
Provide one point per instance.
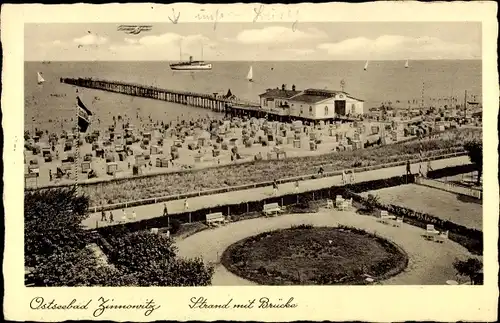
(138, 250)
(152, 259)
(52, 220)
(471, 268)
(69, 267)
(59, 251)
(475, 150)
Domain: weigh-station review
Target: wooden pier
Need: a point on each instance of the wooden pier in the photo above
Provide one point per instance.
(207, 101)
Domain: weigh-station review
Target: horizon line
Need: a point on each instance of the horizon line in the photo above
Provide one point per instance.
(291, 60)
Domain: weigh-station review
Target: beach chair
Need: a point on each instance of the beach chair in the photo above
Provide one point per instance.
(431, 232)
(329, 204)
(338, 201)
(441, 237)
(344, 206)
(385, 217)
(349, 203)
(398, 222)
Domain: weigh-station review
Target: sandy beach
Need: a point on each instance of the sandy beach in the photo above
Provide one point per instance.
(111, 151)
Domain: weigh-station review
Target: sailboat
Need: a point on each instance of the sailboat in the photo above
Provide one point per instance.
(406, 64)
(366, 66)
(250, 74)
(39, 78)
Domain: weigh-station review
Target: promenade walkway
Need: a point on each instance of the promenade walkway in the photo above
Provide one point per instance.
(430, 263)
(196, 203)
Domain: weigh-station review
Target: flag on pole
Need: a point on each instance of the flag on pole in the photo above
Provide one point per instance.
(83, 116)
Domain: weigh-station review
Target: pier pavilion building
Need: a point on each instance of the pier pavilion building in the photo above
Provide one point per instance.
(311, 105)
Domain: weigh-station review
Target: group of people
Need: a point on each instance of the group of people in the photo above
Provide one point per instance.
(111, 218)
(420, 168)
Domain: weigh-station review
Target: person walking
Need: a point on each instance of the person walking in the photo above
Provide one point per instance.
(275, 188)
(296, 187)
(344, 177)
(186, 205)
(103, 216)
(351, 179)
(165, 210)
(134, 216)
(321, 171)
(111, 218)
(408, 168)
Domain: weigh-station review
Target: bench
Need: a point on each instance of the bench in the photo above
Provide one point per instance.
(215, 218)
(272, 208)
(430, 232)
(385, 217)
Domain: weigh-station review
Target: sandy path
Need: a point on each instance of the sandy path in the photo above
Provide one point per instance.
(154, 210)
(444, 205)
(430, 262)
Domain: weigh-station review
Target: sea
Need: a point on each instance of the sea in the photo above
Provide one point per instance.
(52, 105)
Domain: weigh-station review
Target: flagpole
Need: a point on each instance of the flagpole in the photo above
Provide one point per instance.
(77, 145)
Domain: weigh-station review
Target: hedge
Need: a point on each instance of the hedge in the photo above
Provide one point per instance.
(256, 206)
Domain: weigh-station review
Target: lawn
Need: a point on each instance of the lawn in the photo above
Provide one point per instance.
(313, 255)
(441, 204)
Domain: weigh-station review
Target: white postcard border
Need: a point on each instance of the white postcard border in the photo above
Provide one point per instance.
(374, 303)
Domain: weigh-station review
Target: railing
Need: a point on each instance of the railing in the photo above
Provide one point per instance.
(96, 181)
(253, 207)
(449, 187)
(155, 200)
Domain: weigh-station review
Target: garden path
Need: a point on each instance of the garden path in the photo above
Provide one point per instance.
(196, 203)
(430, 263)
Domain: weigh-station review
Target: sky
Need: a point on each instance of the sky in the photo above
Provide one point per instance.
(254, 41)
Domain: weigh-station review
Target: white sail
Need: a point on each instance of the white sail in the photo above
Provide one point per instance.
(40, 78)
(366, 65)
(250, 74)
(406, 64)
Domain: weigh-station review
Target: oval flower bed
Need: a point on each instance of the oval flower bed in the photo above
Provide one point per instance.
(306, 255)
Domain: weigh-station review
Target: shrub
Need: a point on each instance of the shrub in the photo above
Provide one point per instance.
(56, 249)
(301, 227)
(371, 203)
(470, 268)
